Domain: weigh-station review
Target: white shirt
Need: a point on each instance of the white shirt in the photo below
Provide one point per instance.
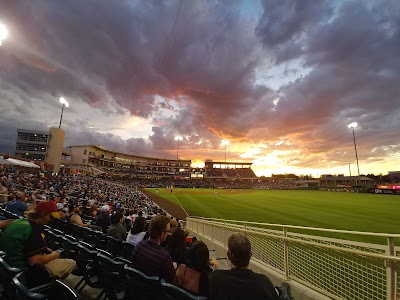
(134, 239)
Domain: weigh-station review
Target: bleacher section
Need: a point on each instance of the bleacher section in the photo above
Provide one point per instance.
(228, 170)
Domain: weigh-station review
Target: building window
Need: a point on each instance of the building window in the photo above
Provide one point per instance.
(84, 161)
(85, 152)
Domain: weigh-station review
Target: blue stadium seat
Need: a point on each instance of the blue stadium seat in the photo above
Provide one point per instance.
(141, 286)
(33, 282)
(172, 292)
(7, 273)
(111, 274)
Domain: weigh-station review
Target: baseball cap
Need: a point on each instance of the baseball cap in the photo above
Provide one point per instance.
(48, 207)
(105, 208)
(60, 205)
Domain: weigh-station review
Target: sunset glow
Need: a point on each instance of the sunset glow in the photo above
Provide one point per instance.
(285, 84)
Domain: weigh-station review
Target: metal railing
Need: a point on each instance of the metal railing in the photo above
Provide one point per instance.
(337, 268)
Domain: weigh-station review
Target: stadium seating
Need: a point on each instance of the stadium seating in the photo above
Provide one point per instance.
(86, 261)
(7, 273)
(141, 286)
(172, 292)
(33, 283)
(111, 274)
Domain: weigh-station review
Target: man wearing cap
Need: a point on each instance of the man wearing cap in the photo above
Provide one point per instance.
(104, 220)
(24, 243)
(60, 210)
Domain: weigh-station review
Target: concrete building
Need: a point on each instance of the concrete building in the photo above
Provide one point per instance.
(43, 146)
(96, 159)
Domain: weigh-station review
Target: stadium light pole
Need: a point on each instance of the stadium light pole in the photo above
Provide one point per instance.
(225, 143)
(178, 138)
(64, 103)
(352, 126)
(3, 33)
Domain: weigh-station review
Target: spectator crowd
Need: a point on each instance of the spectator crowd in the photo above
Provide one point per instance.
(161, 244)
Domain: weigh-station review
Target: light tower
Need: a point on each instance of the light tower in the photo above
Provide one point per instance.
(352, 126)
(64, 103)
(3, 33)
(178, 138)
(225, 143)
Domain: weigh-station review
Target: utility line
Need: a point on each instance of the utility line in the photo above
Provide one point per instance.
(172, 33)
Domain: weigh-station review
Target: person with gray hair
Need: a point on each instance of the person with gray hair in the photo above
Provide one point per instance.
(240, 282)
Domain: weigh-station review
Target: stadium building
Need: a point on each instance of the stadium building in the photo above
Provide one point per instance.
(219, 169)
(96, 159)
(42, 146)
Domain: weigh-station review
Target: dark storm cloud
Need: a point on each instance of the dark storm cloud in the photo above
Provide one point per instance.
(354, 73)
(103, 52)
(117, 52)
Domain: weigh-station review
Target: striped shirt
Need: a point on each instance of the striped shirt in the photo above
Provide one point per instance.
(153, 260)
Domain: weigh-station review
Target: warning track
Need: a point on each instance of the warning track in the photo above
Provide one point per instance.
(175, 210)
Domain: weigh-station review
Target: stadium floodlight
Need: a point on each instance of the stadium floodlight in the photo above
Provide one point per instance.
(64, 103)
(3, 33)
(225, 143)
(178, 138)
(352, 126)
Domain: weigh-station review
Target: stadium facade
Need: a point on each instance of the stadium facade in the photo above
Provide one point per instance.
(42, 146)
(97, 159)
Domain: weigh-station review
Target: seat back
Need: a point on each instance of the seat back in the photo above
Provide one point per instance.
(89, 236)
(84, 256)
(172, 292)
(33, 283)
(6, 275)
(87, 263)
(141, 286)
(8, 272)
(111, 274)
(54, 239)
(61, 291)
(70, 244)
(127, 250)
(101, 241)
(114, 245)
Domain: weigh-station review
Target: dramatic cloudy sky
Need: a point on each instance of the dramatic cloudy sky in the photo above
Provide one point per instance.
(280, 79)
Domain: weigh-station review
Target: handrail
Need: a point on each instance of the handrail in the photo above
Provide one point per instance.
(327, 246)
(377, 234)
(302, 263)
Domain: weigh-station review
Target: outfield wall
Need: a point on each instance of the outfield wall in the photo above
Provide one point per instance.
(316, 267)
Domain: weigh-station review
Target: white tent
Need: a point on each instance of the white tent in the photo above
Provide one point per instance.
(17, 162)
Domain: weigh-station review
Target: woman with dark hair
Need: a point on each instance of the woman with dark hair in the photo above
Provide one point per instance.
(137, 233)
(193, 277)
(176, 247)
(93, 211)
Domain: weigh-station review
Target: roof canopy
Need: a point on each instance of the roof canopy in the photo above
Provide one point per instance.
(17, 162)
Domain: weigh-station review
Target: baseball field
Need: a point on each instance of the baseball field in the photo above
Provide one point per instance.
(322, 209)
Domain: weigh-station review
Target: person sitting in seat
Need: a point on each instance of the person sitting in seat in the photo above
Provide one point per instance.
(194, 276)
(149, 257)
(240, 282)
(104, 219)
(177, 247)
(24, 243)
(19, 206)
(116, 229)
(75, 218)
(173, 226)
(137, 233)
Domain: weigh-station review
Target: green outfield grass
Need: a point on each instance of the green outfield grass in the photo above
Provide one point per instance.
(335, 210)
